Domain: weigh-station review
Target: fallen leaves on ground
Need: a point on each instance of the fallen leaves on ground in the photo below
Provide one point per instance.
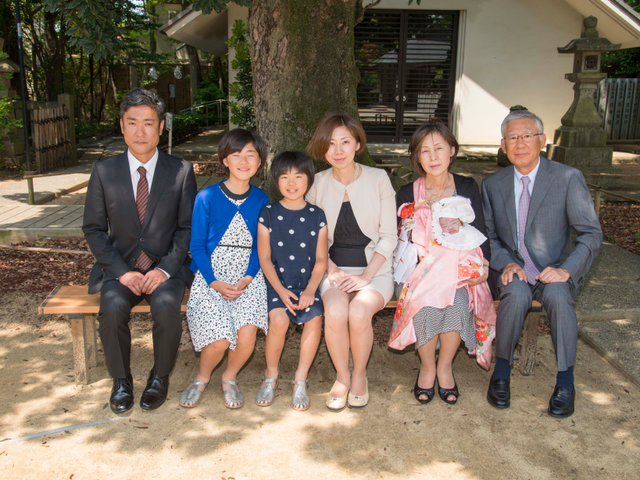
(209, 169)
(26, 271)
(621, 225)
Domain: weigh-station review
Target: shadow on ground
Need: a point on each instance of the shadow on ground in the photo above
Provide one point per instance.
(393, 437)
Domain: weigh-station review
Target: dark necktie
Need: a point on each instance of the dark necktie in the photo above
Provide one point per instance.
(523, 211)
(142, 198)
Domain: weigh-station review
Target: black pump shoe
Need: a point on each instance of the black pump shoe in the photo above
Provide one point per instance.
(121, 399)
(428, 392)
(445, 393)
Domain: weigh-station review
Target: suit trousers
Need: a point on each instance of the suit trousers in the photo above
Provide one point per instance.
(558, 300)
(116, 303)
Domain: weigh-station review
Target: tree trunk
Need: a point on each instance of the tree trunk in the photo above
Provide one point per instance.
(302, 57)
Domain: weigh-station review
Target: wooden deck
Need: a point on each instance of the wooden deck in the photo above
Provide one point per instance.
(23, 222)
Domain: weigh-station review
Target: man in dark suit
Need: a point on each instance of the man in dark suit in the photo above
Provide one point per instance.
(137, 222)
(530, 209)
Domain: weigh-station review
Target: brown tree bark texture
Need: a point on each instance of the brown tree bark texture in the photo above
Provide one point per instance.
(302, 57)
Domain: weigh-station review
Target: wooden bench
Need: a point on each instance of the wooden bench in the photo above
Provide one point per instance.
(82, 308)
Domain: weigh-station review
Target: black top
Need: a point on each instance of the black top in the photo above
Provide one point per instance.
(465, 187)
(349, 242)
(234, 196)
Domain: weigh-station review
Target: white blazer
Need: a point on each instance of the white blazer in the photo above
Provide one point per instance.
(373, 201)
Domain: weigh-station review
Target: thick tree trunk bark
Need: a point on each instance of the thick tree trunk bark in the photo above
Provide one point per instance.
(302, 56)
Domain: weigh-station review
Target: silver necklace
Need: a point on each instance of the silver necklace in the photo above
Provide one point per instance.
(336, 181)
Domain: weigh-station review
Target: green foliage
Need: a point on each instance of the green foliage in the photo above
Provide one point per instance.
(209, 90)
(207, 6)
(84, 129)
(96, 26)
(185, 124)
(6, 122)
(242, 113)
(623, 63)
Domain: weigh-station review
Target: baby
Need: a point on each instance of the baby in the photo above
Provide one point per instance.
(451, 224)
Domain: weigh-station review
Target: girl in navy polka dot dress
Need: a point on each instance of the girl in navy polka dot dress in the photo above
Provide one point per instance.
(293, 251)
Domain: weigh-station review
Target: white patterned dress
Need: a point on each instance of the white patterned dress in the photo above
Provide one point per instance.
(210, 316)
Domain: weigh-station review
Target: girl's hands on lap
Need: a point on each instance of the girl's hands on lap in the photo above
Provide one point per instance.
(244, 282)
(286, 296)
(231, 292)
(351, 283)
(228, 292)
(306, 300)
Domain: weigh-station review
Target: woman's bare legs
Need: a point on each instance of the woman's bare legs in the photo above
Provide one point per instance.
(361, 310)
(311, 333)
(449, 343)
(427, 353)
(336, 334)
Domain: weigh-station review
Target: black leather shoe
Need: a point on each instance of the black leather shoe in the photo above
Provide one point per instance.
(121, 399)
(561, 404)
(499, 394)
(155, 393)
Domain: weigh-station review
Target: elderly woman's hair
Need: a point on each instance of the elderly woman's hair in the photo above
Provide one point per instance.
(518, 115)
(235, 140)
(321, 140)
(285, 161)
(429, 128)
(141, 97)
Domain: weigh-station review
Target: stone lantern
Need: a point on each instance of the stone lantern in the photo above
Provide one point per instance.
(581, 142)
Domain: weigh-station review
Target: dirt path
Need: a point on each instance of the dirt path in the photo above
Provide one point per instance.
(393, 437)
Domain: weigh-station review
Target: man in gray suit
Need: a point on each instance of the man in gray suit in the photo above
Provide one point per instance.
(137, 222)
(530, 209)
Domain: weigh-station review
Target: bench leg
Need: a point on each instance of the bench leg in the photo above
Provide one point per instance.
(85, 348)
(529, 342)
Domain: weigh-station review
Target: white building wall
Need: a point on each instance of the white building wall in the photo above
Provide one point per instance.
(507, 56)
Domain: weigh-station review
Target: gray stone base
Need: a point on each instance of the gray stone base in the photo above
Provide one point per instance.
(588, 160)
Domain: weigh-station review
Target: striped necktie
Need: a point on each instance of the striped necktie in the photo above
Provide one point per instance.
(142, 198)
(523, 211)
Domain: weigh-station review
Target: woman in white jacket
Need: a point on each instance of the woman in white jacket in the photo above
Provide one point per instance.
(359, 203)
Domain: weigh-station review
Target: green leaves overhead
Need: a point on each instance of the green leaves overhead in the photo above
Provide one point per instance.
(97, 26)
(207, 6)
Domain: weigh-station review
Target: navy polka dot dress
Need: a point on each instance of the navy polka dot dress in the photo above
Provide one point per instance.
(294, 238)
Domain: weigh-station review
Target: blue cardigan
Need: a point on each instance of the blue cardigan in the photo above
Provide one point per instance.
(212, 215)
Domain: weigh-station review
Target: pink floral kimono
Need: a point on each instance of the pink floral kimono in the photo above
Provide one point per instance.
(434, 281)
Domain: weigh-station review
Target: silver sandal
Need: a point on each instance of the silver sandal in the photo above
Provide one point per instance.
(266, 394)
(232, 397)
(300, 399)
(192, 394)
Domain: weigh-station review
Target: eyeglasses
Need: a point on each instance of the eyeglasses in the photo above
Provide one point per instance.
(527, 138)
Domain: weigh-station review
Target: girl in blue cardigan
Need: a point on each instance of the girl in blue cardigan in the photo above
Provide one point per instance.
(228, 301)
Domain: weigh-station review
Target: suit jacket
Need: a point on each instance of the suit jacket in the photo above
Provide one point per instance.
(560, 202)
(373, 201)
(112, 228)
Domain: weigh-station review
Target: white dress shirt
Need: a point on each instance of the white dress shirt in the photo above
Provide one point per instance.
(517, 188)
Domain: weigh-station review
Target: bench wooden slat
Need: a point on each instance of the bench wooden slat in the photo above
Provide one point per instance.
(63, 301)
(75, 301)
